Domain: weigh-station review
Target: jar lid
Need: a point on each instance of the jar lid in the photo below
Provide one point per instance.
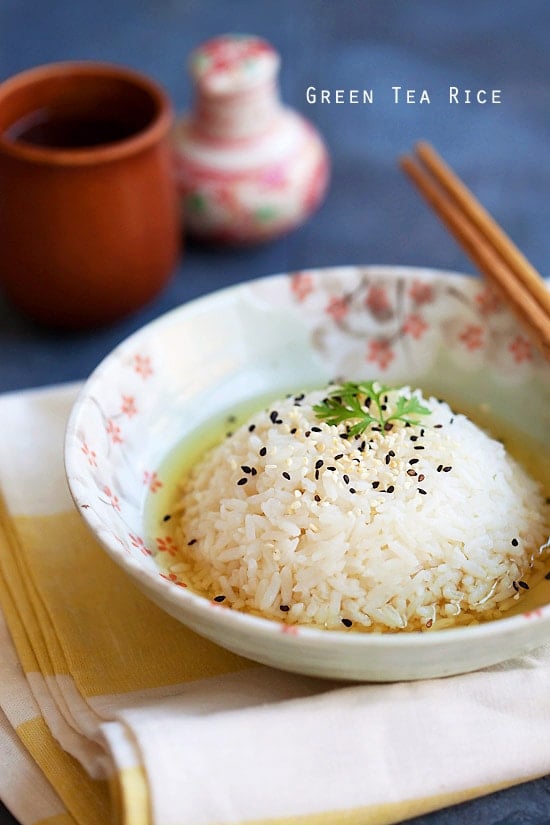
(233, 63)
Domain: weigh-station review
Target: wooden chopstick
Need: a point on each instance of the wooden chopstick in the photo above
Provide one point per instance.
(484, 241)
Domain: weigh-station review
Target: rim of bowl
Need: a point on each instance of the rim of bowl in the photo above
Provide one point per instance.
(257, 625)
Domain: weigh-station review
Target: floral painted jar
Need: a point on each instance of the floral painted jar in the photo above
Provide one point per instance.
(248, 167)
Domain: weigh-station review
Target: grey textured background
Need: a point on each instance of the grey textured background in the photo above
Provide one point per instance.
(371, 214)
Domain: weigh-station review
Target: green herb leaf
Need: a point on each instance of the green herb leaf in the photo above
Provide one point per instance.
(366, 403)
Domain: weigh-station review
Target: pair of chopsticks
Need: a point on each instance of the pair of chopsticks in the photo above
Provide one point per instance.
(483, 240)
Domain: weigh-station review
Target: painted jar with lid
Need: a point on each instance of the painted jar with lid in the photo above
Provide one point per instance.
(248, 167)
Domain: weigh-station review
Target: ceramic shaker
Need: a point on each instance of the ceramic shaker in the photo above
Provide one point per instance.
(248, 167)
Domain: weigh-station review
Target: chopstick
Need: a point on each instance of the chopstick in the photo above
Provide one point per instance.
(483, 240)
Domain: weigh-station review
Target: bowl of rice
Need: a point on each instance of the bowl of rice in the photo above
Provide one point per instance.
(340, 472)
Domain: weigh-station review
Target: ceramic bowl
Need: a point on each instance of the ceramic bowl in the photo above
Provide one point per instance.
(441, 331)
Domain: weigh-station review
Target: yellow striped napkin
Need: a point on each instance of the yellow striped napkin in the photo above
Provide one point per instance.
(112, 711)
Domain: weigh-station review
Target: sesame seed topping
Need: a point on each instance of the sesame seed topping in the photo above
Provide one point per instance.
(352, 490)
(317, 497)
(319, 463)
(284, 607)
(251, 428)
(242, 481)
(421, 477)
(339, 456)
(422, 492)
(316, 430)
(439, 467)
(332, 469)
(411, 472)
(390, 489)
(167, 517)
(245, 468)
(515, 542)
(414, 460)
(547, 576)
(375, 484)
(286, 475)
(219, 598)
(447, 469)
(294, 430)
(524, 585)
(346, 478)
(419, 448)
(191, 542)
(263, 451)
(274, 415)
(347, 622)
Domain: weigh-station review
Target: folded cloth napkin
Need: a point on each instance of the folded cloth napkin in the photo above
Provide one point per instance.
(110, 709)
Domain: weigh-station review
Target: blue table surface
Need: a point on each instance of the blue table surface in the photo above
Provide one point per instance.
(371, 213)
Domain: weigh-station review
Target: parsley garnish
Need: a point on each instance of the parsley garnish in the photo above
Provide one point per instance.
(366, 403)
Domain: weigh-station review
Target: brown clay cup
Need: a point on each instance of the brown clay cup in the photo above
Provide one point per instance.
(89, 217)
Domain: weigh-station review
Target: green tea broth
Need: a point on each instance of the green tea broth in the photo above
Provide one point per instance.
(161, 516)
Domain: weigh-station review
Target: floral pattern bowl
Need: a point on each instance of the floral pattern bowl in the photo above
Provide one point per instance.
(444, 332)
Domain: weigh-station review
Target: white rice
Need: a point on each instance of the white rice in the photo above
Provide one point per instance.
(290, 520)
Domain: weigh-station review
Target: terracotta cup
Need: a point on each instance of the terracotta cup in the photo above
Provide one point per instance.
(89, 219)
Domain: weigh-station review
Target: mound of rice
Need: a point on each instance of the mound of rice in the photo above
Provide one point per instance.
(293, 519)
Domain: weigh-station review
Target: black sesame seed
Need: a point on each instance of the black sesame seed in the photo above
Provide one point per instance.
(332, 469)
(451, 420)
(263, 451)
(411, 472)
(245, 468)
(447, 469)
(414, 438)
(274, 415)
(299, 397)
(251, 428)
(362, 446)
(347, 622)
(388, 426)
(383, 407)
(439, 467)
(524, 585)
(242, 481)
(515, 586)
(167, 517)
(316, 475)
(286, 475)
(307, 433)
(392, 453)
(437, 426)
(344, 436)
(547, 576)
(385, 399)
(346, 478)
(253, 471)
(407, 423)
(352, 490)
(421, 477)
(191, 542)
(317, 498)
(422, 492)
(284, 607)
(419, 448)
(337, 457)
(376, 429)
(387, 459)
(316, 430)
(422, 433)
(390, 489)
(367, 402)
(219, 598)
(515, 542)
(319, 463)
(375, 484)
(414, 460)
(293, 430)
